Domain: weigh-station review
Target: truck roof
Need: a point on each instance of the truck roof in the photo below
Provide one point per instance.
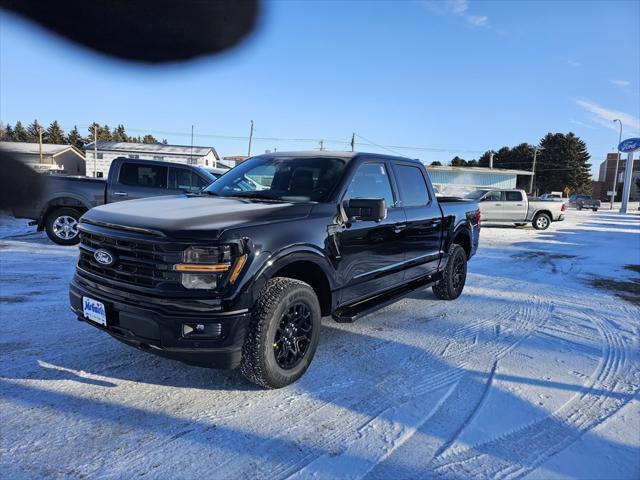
(347, 156)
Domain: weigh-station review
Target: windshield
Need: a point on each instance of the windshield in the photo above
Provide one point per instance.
(290, 179)
(476, 194)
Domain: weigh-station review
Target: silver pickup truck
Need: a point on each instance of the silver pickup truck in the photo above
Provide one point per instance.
(513, 206)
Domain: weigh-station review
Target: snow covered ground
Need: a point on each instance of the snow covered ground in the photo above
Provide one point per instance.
(533, 373)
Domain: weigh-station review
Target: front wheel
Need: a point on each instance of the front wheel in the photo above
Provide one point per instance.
(61, 225)
(283, 333)
(454, 275)
(595, 209)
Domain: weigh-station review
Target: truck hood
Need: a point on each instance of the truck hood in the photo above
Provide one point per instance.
(189, 216)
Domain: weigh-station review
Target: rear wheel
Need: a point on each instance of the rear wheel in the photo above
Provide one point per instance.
(61, 225)
(595, 209)
(454, 275)
(283, 334)
(541, 221)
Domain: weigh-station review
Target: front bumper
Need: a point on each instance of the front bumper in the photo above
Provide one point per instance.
(156, 325)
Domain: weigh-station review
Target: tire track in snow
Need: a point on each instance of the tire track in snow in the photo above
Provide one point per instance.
(515, 454)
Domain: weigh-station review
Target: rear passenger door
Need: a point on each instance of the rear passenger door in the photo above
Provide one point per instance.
(184, 180)
(138, 180)
(514, 206)
(422, 234)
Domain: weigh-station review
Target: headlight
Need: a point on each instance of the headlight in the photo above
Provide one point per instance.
(205, 268)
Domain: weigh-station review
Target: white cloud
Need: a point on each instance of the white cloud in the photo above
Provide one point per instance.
(574, 63)
(621, 83)
(459, 8)
(604, 116)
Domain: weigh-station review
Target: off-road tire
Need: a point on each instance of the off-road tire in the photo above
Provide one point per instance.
(541, 221)
(50, 221)
(450, 288)
(258, 362)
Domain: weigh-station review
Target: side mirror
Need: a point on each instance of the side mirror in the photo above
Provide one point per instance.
(367, 209)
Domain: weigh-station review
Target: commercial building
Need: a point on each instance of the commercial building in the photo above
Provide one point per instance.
(457, 180)
(48, 156)
(605, 178)
(100, 155)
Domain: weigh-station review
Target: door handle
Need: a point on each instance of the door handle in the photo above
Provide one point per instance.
(120, 194)
(498, 204)
(519, 205)
(398, 227)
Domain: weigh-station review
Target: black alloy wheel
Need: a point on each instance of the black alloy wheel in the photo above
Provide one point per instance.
(293, 336)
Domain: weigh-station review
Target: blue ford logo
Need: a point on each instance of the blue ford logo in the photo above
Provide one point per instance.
(103, 257)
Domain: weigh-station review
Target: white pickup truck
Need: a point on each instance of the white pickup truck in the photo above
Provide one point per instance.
(513, 206)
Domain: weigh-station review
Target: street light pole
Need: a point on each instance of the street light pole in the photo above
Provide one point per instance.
(533, 169)
(615, 175)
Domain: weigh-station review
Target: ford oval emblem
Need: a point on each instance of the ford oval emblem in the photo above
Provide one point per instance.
(104, 257)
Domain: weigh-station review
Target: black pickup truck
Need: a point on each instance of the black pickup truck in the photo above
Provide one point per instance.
(66, 198)
(241, 273)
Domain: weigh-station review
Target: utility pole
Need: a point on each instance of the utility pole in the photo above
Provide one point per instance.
(491, 159)
(321, 145)
(353, 141)
(615, 175)
(95, 150)
(533, 170)
(191, 151)
(250, 138)
(40, 140)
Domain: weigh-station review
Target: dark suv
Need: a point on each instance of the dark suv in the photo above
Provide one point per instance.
(241, 273)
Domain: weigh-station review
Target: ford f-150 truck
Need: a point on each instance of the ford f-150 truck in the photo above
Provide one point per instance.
(241, 273)
(513, 206)
(584, 201)
(66, 198)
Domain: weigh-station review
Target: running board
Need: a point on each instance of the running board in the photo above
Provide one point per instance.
(351, 313)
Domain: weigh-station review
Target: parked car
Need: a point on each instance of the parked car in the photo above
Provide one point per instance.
(513, 206)
(68, 197)
(553, 197)
(584, 201)
(238, 275)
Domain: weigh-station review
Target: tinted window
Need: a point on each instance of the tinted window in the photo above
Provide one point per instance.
(281, 178)
(143, 175)
(513, 196)
(412, 185)
(492, 197)
(371, 181)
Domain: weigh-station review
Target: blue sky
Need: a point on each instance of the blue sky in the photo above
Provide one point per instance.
(450, 77)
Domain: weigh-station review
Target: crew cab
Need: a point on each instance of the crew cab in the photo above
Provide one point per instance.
(513, 206)
(66, 198)
(241, 273)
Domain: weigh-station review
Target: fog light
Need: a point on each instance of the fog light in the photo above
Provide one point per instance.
(201, 330)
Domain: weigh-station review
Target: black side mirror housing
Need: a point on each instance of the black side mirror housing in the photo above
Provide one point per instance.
(367, 209)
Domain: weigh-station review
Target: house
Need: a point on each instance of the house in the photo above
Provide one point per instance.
(99, 156)
(457, 180)
(48, 157)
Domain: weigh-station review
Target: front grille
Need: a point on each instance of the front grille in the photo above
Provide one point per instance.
(140, 263)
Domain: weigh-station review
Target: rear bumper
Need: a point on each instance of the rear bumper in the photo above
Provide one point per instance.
(560, 218)
(154, 327)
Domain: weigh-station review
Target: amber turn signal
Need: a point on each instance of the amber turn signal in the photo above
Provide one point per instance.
(201, 268)
(237, 268)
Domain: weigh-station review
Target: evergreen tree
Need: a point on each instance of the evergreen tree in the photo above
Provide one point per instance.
(55, 134)
(458, 162)
(20, 134)
(74, 138)
(33, 132)
(436, 164)
(564, 162)
(5, 132)
(119, 134)
(149, 139)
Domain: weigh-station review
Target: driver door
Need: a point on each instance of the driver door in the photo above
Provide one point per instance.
(372, 252)
(491, 206)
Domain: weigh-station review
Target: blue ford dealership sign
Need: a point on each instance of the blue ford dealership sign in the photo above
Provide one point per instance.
(629, 145)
